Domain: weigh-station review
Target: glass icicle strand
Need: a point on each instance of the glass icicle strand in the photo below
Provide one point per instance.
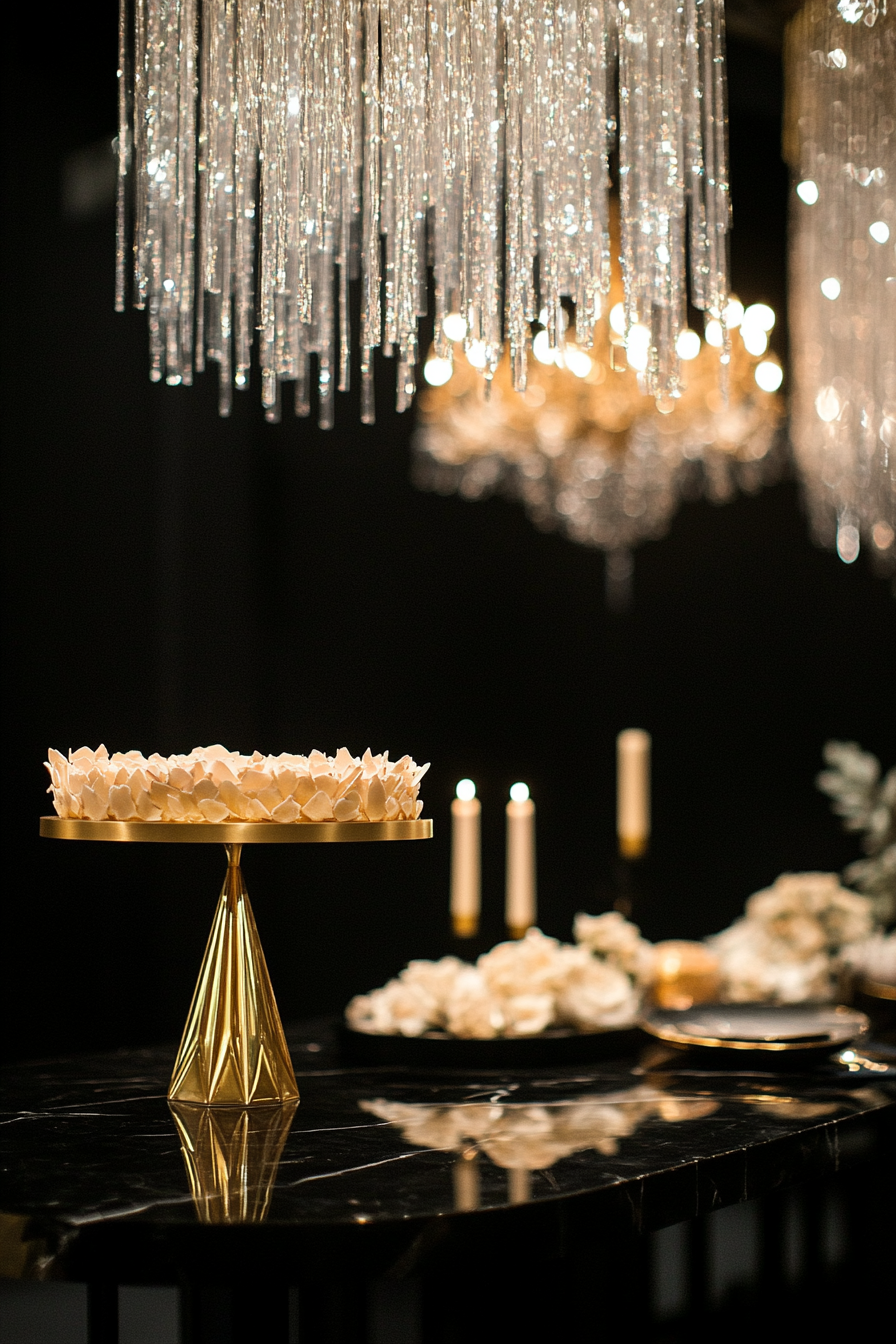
(275, 152)
(840, 140)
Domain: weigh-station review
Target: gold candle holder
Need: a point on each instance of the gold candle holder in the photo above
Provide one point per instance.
(233, 1052)
(231, 1154)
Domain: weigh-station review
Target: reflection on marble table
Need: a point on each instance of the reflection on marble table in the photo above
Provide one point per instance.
(95, 1175)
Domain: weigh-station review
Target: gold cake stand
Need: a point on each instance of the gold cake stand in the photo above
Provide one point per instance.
(233, 1051)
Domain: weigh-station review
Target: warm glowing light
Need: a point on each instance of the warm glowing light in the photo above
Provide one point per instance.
(477, 354)
(883, 536)
(688, 344)
(637, 347)
(827, 404)
(437, 370)
(847, 542)
(807, 191)
(759, 315)
(768, 375)
(714, 334)
(879, 231)
(577, 361)
(754, 339)
(519, 792)
(454, 326)
(734, 313)
(830, 287)
(466, 790)
(564, 318)
(542, 348)
(617, 319)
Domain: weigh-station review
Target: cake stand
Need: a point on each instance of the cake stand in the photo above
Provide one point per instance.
(233, 1051)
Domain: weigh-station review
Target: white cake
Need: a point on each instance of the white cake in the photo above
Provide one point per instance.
(213, 784)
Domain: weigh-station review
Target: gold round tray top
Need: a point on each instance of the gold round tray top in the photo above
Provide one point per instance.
(820, 1028)
(235, 832)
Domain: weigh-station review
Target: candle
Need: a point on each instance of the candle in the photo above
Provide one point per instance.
(520, 904)
(633, 792)
(465, 860)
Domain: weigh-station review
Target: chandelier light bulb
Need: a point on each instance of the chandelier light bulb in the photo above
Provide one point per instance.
(688, 344)
(542, 348)
(519, 793)
(454, 326)
(466, 790)
(830, 287)
(769, 375)
(879, 231)
(734, 313)
(759, 315)
(807, 191)
(714, 334)
(577, 361)
(637, 347)
(437, 370)
(754, 339)
(477, 354)
(617, 319)
(883, 536)
(848, 542)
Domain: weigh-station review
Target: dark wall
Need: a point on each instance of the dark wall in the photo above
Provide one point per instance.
(174, 579)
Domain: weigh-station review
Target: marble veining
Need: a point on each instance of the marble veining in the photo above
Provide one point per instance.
(92, 1143)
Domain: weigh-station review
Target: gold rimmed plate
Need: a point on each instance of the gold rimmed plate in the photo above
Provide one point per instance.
(235, 832)
(774, 1028)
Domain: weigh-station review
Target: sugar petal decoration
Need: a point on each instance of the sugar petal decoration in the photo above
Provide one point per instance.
(318, 808)
(211, 782)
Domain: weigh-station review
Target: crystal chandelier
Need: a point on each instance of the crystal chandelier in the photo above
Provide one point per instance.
(279, 151)
(585, 449)
(840, 139)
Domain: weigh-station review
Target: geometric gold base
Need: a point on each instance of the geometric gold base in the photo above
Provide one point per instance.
(233, 1051)
(231, 1155)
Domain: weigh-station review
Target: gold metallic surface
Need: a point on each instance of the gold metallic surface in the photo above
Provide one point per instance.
(875, 989)
(518, 931)
(633, 846)
(233, 1051)
(235, 832)
(465, 926)
(231, 1154)
(855, 1024)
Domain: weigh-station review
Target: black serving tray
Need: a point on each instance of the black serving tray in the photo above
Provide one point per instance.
(438, 1050)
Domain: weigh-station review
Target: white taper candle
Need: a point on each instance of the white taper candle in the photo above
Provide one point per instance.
(466, 862)
(520, 909)
(633, 792)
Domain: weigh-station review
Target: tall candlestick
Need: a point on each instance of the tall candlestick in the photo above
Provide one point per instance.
(520, 904)
(466, 863)
(633, 792)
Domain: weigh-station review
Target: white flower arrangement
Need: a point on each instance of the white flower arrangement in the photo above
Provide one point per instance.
(866, 803)
(530, 1137)
(786, 948)
(518, 988)
(213, 784)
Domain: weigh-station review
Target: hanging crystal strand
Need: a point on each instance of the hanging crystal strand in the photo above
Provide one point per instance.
(141, 121)
(166, 185)
(186, 189)
(349, 188)
(371, 311)
(202, 225)
(481, 237)
(517, 263)
(439, 165)
(245, 184)
(154, 164)
(122, 146)
(217, 238)
(271, 280)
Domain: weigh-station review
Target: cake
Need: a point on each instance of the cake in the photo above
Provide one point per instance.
(211, 784)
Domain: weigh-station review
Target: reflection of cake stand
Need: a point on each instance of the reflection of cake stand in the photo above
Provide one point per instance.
(233, 1051)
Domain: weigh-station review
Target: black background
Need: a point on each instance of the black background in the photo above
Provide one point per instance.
(174, 579)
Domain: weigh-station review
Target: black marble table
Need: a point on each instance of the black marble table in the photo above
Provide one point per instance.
(389, 1173)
